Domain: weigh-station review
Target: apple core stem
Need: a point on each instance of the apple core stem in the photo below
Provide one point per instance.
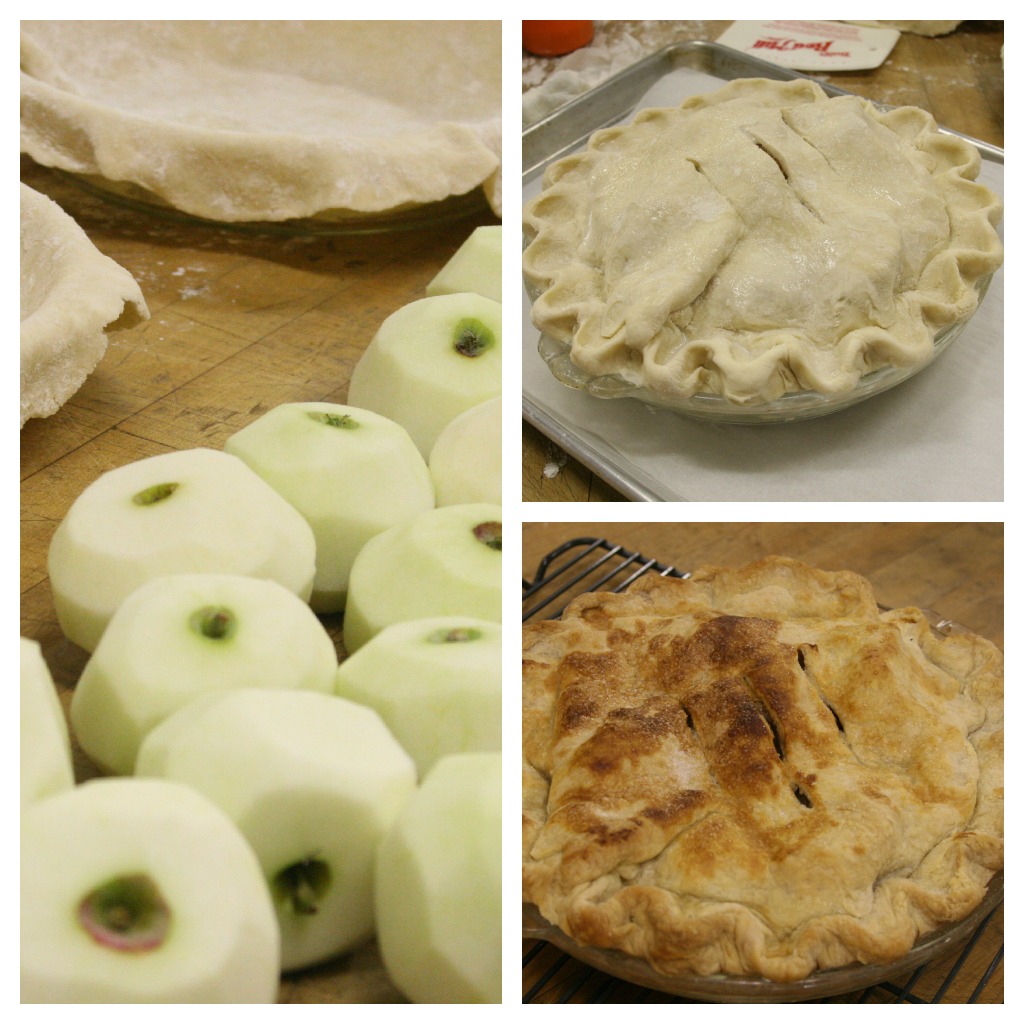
(301, 886)
(155, 494)
(332, 419)
(472, 338)
(214, 623)
(489, 534)
(454, 636)
(127, 913)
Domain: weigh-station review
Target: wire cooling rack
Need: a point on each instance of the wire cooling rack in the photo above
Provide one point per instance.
(970, 972)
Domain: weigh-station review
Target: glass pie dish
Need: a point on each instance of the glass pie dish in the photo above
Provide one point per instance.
(791, 407)
(722, 988)
(633, 234)
(410, 217)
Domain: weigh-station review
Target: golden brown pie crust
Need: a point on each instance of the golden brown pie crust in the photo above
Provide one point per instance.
(756, 771)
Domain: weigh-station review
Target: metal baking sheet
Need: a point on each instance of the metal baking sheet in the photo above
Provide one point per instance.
(642, 478)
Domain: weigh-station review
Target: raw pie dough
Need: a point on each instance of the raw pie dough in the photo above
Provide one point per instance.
(252, 120)
(757, 772)
(758, 240)
(917, 28)
(71, 295)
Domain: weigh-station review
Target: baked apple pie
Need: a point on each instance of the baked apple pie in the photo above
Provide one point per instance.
(760, 240)
(757, 772)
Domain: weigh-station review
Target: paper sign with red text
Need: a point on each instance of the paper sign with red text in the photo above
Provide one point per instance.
(812, 45)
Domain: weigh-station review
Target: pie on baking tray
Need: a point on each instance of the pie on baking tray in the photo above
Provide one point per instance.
(760, 240)
(757, 772)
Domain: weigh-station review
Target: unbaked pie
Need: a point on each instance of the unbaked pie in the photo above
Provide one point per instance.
(757, 772)
(760, 240)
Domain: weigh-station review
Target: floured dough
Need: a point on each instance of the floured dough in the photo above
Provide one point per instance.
(71, 295)
(253, 120)
(758, 240)
(756, 771)
(917, 28)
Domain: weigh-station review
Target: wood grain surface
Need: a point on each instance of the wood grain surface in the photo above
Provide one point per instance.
(954, 569)
(957, 78)
(240, 322)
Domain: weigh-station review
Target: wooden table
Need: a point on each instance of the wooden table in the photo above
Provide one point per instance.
(958, 78)
(955, 569)
(239, 322)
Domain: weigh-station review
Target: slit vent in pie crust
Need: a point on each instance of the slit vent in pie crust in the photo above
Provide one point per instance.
(756, 771)
(759, 240)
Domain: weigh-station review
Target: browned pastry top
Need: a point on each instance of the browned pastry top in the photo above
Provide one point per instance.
(755, 771)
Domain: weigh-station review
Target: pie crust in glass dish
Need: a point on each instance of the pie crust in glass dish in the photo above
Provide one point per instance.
(759, 240)
(757, 772)
(268, 121)
(71, 296)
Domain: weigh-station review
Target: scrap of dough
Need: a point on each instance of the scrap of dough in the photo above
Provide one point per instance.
(71, 295)
(268, 121)
(577, 73)
(917, 28)
(491, 137)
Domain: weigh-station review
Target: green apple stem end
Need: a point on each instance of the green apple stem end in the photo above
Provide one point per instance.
(215, 623)
(331, 419)
(300, 887)
(472, 337)
(489, 534)
(461, 635)
(128, 913)
(155, 494)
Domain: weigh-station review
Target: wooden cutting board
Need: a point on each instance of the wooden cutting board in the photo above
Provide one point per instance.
(240, 321)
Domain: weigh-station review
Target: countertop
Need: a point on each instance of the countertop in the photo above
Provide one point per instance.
(958, 78)
(239, 322)
(954, 569)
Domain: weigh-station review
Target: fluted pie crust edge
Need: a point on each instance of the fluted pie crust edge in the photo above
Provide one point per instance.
(757, 772)
(760, 240)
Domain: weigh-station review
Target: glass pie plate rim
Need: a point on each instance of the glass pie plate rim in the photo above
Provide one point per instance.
(409, 217)
(744, 989)
(791, 407)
